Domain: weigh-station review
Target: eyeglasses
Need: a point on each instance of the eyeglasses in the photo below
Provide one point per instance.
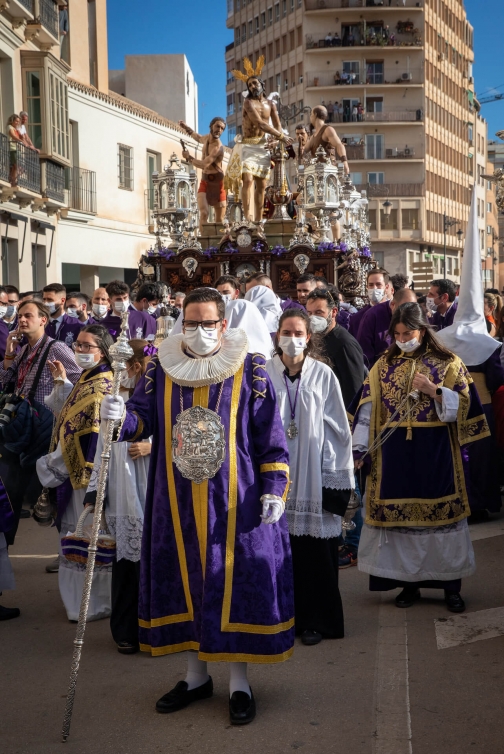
(207, 324)
(83, 347)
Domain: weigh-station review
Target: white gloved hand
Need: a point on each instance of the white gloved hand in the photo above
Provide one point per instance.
(112, 407)
(273, 508)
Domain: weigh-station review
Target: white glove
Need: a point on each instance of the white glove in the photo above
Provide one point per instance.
(273, 508)
(112, 407)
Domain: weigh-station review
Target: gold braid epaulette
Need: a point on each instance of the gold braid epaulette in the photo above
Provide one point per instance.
(259, 375)
(149, 374)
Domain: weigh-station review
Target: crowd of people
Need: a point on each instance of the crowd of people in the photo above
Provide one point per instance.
(253, 407)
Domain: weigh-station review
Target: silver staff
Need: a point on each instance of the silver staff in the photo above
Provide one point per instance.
(120, 353)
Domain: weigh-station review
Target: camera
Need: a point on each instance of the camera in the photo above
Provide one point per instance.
(7, 410)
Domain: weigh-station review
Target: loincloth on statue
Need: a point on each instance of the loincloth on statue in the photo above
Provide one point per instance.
(212, 184)
(248, 156)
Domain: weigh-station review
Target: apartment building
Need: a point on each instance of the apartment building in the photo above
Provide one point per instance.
(401, 75)
(80, 209)
(496, 162)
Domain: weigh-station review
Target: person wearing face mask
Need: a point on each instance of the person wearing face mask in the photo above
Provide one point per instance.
(229, 287)
(321, 467)
(217, 499)
(417, 408)
(67, 468)
(61, 326)
(4, 330)
(441, 303)
(10, 317)
(378, 288)
(77, 308)
(140, 323)
(100, 304)
(373, 333)
(147, 298)
(124, 511)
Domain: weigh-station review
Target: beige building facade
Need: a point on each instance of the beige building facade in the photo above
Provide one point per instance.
(398, 78)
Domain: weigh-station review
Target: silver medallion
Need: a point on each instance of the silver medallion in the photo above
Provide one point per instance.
(292, 430)
(198, 444)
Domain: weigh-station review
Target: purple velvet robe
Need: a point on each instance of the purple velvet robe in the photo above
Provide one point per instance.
(343, 318)
(141, 324)
(67, 332)
(356, 319)
(289, 303)
(439, 322)
(4, 334)
(484, 458)
(373, 332)
(214, 578)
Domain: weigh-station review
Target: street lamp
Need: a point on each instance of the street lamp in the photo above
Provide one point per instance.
(448, 223)
(387, 208)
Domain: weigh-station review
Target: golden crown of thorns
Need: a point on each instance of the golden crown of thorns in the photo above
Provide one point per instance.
(249, 69)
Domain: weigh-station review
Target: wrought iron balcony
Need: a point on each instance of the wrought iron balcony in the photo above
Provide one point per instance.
(4, 158)
(356, 4)
(27, 169)
(81, 186)
(48, 12)
(28, 4)
(54, 181)
(385, 190)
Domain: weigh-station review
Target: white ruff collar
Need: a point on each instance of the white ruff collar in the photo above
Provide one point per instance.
(210, 370)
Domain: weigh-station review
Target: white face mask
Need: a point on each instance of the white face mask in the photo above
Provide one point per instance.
(152, 309)
(319, 324)
(128, 383)
(409, 346)
(121, 306)
(52, 307)
(227, 297)
(375, 295)
(431, 305)
(3, 311)
(10, 310)
(100, 309)
(72, 312)
(85, 360)
(202, 342)
(292, 346)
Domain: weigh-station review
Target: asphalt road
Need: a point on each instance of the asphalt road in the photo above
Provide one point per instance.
(385, 689)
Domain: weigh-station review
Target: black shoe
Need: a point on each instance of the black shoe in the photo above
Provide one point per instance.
(179, 697)
(24, 513)
(127, 648)
(407, 597)
(454, 602)
(7, 613)
(310, 638)
(242, 708)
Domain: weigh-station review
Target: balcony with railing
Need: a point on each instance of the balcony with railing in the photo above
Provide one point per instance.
(377, 151)
(81, 188)
(26, 170)
(365, 77)
(46, 23)
(384, 190)
(381, 5)
(53, 181)
(4, 159)
(20, 10)
(384, 40)
(384, 116)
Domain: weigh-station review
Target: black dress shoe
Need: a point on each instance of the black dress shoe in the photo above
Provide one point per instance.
(179, 697)
(242, 708)
(454, 602)
(7, 613)
(407, 597)
(127, 648)
(310, 638)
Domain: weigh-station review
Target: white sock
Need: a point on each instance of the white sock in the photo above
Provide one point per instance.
(238, 678)
(197, 673)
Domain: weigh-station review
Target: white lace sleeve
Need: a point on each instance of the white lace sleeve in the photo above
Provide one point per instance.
(51, 469)
(447, 410)
(58, 395)
(360, 439)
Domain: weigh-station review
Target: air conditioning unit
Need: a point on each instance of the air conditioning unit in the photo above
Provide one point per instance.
(407, 76)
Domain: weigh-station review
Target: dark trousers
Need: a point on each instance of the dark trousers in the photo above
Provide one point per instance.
(22, 486)
(317, 600)
(381, 584)
(125, 586)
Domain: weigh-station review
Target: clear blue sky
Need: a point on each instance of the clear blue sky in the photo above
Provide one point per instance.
(198, 28)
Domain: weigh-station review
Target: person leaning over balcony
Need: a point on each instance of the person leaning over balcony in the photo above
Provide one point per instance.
(14, 139)
(22, 129)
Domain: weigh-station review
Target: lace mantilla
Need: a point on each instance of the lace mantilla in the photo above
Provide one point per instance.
(210, 370)
(127, 531)
(340, 479)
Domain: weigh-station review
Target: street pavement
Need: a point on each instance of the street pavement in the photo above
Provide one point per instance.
(416, 681)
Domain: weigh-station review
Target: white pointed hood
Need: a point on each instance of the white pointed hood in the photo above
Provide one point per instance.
(468, 337)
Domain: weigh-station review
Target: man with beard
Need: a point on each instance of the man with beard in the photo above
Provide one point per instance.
(211, 191)
(249, 166)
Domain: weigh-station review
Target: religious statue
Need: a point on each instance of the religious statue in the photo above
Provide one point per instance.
(249, 165)
(352, 268)
(325, 135)
(211, 191)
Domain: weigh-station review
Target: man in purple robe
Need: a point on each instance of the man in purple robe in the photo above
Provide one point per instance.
(379, 288)
(60, 326)
(140, 323)
(441, 303)
(373, 331)
(216, 570)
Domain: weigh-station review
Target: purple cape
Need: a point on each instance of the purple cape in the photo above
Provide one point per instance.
(289, 303)
(356, 319)
(373, 332)
(214, 578)
(140, 324)
(440, 322)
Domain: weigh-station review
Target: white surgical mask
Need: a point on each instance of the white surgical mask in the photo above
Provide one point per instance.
(52, 307)
(202, 342)
(3, 311)
(409, 346)
(121, 306)
(128, 383)
(430, 304)
(226, 298)
(292, 346)
(318, 324)
(100, 310)
(152, 309)
(72, 312)
(375, 295)
(84, 360)
(10, 311)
